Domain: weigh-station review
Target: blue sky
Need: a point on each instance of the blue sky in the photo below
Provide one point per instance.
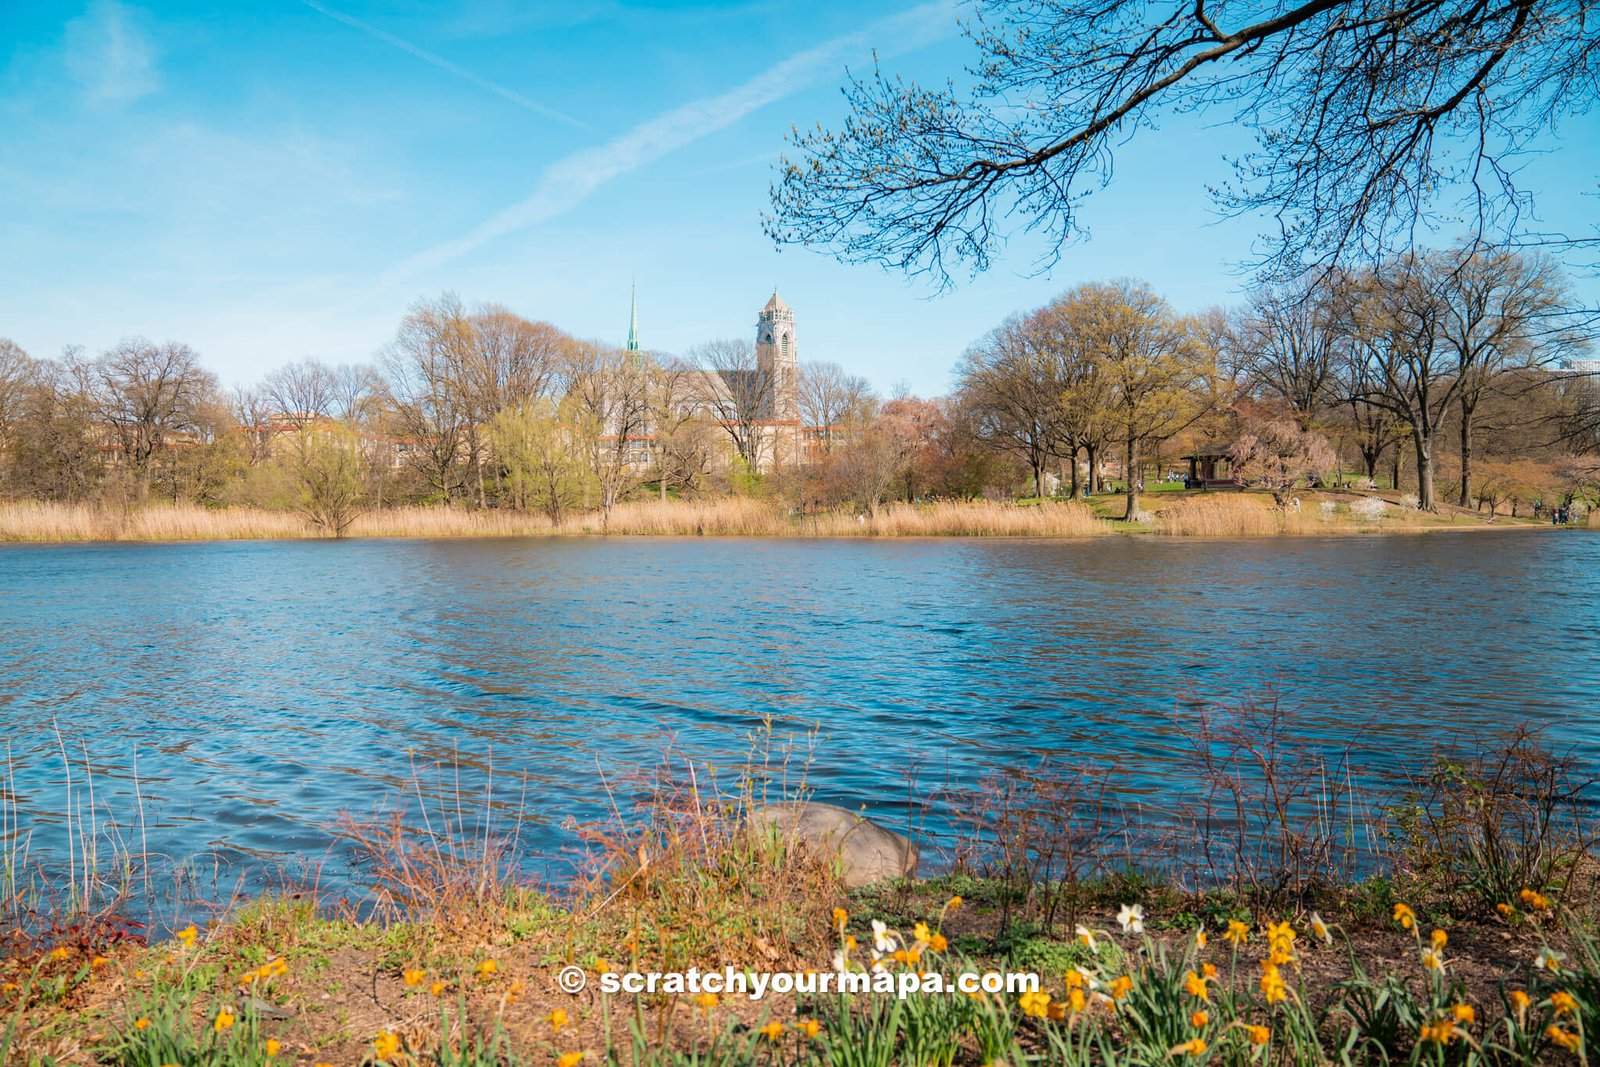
(280, 179)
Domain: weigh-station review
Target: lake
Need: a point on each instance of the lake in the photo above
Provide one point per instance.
(260, 689)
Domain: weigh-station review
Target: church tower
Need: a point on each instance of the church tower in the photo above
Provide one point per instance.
(777, 356)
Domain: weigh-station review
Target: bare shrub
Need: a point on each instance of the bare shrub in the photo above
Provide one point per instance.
(1275, 816)
(1042, 831)
(1498, 817)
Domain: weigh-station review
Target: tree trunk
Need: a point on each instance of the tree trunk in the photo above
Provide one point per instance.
(1466, 453)
(1399, 457)
(1370, 459)
(1425, 499)
(1072, 463)
(1092, 455)
(1131, 473)
(1038, 477)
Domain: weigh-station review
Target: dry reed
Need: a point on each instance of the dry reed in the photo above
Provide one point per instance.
(724, 517)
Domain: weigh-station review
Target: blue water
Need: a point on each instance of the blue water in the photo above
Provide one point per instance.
(261, 689)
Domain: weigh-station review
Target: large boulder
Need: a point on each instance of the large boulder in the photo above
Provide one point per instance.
(862, 851)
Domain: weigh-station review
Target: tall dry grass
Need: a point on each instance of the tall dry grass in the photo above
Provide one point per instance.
(724, 517)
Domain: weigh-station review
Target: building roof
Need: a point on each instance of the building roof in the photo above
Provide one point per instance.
(776, 303)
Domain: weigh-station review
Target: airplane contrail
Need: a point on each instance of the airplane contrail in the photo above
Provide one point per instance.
(571, 180)
(445, 65)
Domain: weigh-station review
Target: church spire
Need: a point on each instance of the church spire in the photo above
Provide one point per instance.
(633, 319)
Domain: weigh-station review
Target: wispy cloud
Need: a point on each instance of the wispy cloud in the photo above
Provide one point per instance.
(570, 181)
(445, 65)
(109, 53)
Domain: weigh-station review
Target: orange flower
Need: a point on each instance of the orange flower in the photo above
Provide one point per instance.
(1534, 900)
(413, 977)
(1195, 986)
(98, 962)
(1565, 1038)
(1035, 1003)
(1199, 1020)
(1121, 987)
(1563, 1003)
(187, 935)
(1506, 911)
(223, 1021)
(386, 1046)
(142, 1022)
(437, 989)
(773, 1031)
(938, 943)
(1259, 1035)
(569, 1059)
(557, 1020)
(60, 952)
(953, 902)
(602, 966)
(487, 967)
(1197, 1047)
(706, 1001)
(840, 917)
(809, 1027)
(1209, 970)
(274, 1046)
(1519, 1000)
(1405, 916)
(1465, 1014)
(1438, 939)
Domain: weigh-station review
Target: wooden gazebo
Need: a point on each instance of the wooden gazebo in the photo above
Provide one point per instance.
(1210, 467)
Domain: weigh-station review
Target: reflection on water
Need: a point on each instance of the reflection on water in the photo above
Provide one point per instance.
(263, 688)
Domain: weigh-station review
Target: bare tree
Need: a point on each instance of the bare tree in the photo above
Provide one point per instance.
(737, 392)
(149, 395)
(302, 393)
(1289, 344)
(17, 373)
(1501, 312)
(1371, 116)
(830, 397)
(423, 374)
(1011, 388)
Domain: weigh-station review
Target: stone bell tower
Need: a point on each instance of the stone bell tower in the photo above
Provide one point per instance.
(777, 356)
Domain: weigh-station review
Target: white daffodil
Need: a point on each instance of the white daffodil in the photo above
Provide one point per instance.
(880, 937)
(1201, 937)
(1549, 960)
(1132, 918)
(1320, 928)
(1432, 960)
(841, 963)
(1085, 936)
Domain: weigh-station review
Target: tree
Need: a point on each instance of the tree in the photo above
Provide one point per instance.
(148, 396)
(1289, 345)
(423, 373)
(1500, 312)
(1278, 453)
(1371, 116)
(17, 373)
(609, 389)
(1156, 375)
(1011, 388)
(328, 469)
(865, 467)
(736, 391)
(829, 398)
(542, 454)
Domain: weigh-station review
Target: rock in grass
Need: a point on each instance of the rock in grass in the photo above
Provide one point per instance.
(862, 851)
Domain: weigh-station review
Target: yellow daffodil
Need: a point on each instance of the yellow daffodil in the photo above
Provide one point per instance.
(1196, 1047)
(920, 932)
(557, 1019)
(1405, 916)
(1195, 986)
(487, 968)
(1519, 1000)
(386, 1046)
(809, 1027)
(142, 1023)
(413, 977)
(938, 943)
(1121, 987)
(273, 1047)
(1536, 901)
(706, 1001)
(1432, 960)
(223, 1021)
(1035, 1003)
(569, 1059)
(840, 918)
(1199, 1020)
(1564, 1003)
(437, 989)
(773, 1031)
(187, 935)
(1506, 911)
(1259, 1035)
(1438, 939)
(1238, 933)
(1465, 1014)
